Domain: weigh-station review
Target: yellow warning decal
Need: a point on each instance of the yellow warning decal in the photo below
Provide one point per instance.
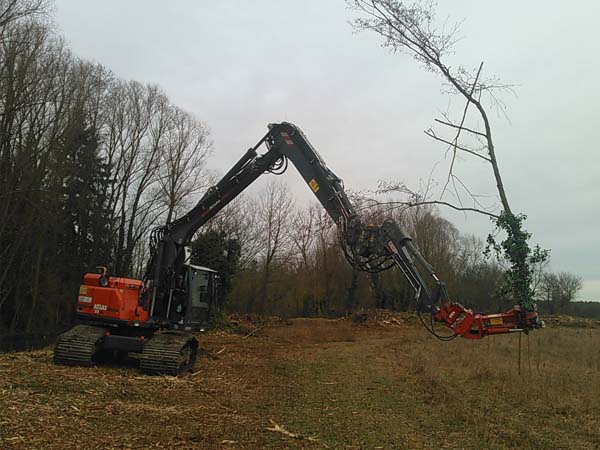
(83, 289)
(314, 185)
(496, 321)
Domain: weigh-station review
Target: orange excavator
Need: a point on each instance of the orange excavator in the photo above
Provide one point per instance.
(154, 316)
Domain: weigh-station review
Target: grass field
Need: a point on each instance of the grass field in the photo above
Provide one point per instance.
(319, 384)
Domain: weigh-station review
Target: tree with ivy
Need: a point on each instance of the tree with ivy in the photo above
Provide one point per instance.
(412, 29)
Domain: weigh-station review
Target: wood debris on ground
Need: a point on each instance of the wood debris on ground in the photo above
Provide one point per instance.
(341, 383)
(276, 428)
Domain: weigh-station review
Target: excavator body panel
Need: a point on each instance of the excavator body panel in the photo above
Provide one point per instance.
(111, 300)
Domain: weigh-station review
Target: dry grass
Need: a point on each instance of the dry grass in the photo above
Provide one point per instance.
(319, 384)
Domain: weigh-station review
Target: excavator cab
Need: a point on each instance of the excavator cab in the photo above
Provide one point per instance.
(202, 286)
(193, 297)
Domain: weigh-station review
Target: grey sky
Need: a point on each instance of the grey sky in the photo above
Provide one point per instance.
(239, 65)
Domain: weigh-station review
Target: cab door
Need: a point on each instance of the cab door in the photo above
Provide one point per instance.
(199, 297)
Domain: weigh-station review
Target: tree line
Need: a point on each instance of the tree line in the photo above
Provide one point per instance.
(88, 164)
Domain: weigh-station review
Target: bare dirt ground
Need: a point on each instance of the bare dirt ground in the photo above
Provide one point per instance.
(319, 384)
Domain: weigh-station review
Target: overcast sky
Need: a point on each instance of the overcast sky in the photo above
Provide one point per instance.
(239, 65)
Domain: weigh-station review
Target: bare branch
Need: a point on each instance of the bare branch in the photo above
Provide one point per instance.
(432, 135)
(462, 122)
(460, 127)
(438, 202)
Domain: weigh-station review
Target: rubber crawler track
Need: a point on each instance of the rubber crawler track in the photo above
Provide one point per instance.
(77, 346)
(164, 353)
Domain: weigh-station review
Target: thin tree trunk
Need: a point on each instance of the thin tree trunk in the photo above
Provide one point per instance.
(35, 287)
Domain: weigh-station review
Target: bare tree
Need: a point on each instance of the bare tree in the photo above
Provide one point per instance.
(183, 160)
(412, 29)
(36, 102)
(470, 252)
(275, 207)
(559, 290)
(303, 231)
(135, 127)
(325, 267)
(14, 11)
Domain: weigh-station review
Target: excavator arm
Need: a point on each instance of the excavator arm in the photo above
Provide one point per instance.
(374, 248)
(368, 248)
(460, 320)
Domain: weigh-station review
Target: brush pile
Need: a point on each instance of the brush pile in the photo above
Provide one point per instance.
(381, 318)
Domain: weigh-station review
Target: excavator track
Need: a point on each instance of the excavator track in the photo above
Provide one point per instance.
(169, 353)
(78, 346)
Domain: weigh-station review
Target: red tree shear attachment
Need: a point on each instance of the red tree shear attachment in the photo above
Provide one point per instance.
(464, 322)
(461, 320)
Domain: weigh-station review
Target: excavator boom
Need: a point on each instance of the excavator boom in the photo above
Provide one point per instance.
(368, 248)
